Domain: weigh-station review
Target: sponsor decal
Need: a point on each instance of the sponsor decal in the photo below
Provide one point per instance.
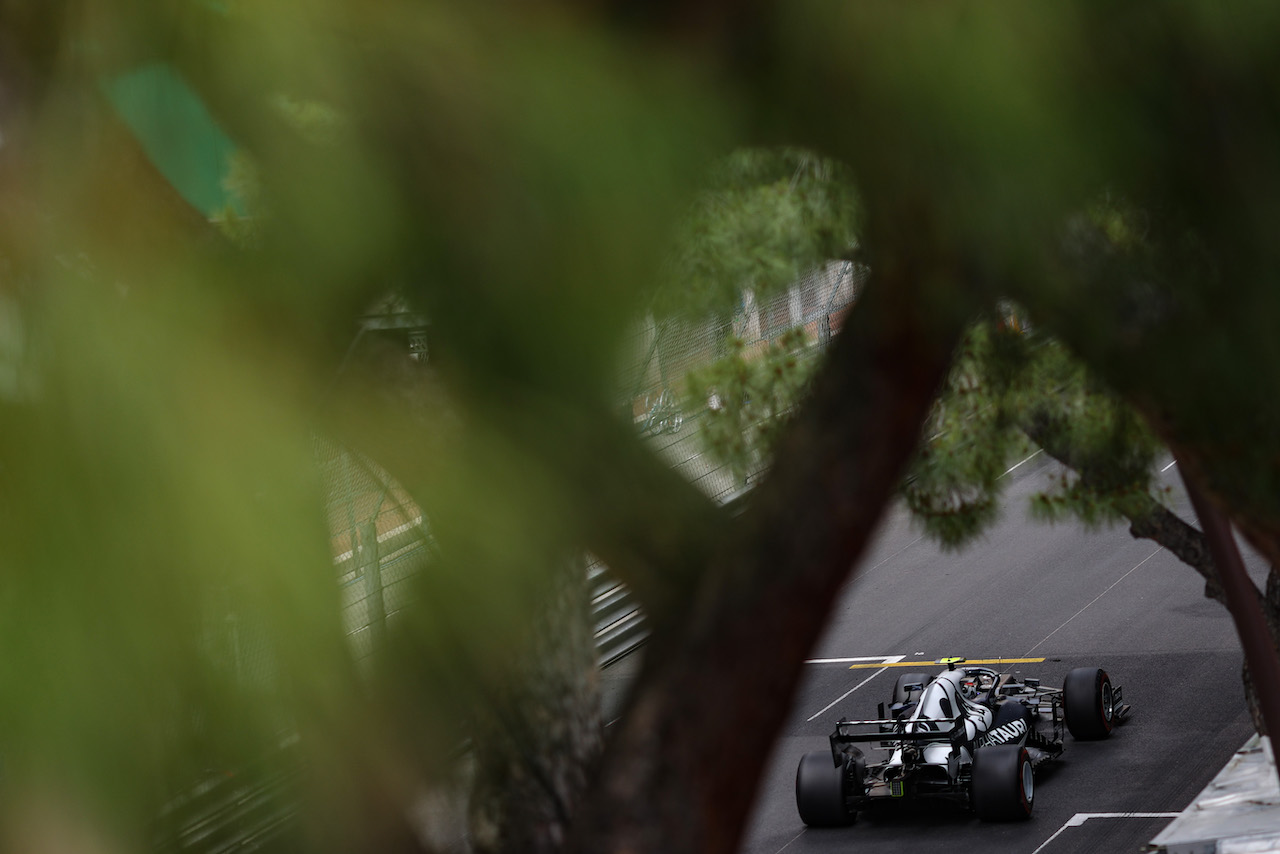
(1004, 734)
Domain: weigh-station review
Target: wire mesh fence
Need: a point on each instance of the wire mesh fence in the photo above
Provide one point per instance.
(379, 540)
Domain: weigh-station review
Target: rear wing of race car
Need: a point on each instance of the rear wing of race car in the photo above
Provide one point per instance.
(892, 733)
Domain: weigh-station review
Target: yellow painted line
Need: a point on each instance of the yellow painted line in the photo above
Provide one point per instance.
(936, 664)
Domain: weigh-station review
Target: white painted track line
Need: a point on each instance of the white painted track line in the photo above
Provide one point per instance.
(1015, 465)
(888, 659)
(793, 839)
(1095, 599)
(1081, 817)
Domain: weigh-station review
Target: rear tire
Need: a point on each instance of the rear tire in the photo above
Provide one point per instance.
(1003, 787)
(1087, 701)
(820, 792)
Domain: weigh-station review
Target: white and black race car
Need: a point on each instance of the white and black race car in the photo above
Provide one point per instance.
(969, 734)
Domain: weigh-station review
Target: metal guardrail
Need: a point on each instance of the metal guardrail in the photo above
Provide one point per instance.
(620, 625)
(251, 809)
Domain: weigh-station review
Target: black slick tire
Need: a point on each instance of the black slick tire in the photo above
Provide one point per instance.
(820, 792)
(1003, 787)
(1087, 703)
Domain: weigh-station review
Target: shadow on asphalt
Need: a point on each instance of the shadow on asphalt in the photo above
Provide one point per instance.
(927, 813)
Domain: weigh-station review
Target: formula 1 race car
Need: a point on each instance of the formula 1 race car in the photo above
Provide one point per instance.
(970, 735)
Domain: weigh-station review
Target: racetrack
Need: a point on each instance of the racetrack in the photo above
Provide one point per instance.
(1028, 590)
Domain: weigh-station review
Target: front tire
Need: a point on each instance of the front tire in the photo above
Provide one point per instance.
(820, 792)
(1003, 787)
(1087, 701)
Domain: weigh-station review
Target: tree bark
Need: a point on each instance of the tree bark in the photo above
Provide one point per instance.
(540, 735)
(1259, 646)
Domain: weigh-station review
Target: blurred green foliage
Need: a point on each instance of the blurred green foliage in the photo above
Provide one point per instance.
(514, 175)
(524, 176)
(764, 218)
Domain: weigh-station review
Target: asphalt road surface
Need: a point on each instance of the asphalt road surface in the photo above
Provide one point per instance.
(1027, 590)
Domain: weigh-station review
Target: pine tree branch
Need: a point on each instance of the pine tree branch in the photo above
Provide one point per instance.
(1161, 525)
(1151, 520)
(1148, 518)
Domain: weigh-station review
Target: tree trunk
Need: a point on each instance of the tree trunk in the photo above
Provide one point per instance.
(1259, 644)
(540, 735)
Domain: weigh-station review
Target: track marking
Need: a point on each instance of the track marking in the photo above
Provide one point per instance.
(901, 663)
(879, 658)
(888, 660)
(1015, 465)
(1166, 468)
(1095, 599)
(793, 839)
(1081, 817)
(888, 558)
